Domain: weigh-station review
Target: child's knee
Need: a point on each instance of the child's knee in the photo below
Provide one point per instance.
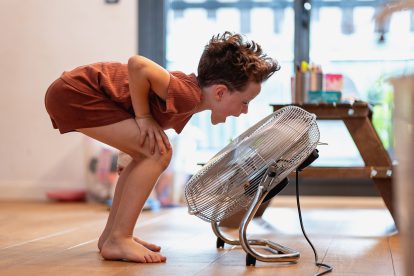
(123, 161)
(163, 159)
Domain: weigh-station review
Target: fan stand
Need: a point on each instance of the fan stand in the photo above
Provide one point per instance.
(279, 253)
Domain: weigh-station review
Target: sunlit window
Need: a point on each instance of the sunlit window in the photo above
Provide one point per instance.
(191, 24)
(343, 39)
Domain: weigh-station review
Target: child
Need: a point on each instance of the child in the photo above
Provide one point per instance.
(128, 106)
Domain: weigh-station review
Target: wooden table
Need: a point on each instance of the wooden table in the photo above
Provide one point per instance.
(378, 166)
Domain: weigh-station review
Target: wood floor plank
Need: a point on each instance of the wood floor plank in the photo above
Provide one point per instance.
(82, 233)
(60, 239)
(360, 256)
(32, 221)
(396, 252)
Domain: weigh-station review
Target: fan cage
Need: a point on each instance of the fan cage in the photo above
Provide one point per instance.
(228, 182)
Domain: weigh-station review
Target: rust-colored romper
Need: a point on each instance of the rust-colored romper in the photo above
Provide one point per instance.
(98, 94)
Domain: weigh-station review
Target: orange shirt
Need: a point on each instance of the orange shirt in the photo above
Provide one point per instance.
(91, 95)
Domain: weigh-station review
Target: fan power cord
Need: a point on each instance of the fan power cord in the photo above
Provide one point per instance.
(317, 263)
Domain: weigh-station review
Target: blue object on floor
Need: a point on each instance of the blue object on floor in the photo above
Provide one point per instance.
(153, 204)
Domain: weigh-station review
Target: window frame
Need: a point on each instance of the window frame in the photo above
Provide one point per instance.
(152, 26)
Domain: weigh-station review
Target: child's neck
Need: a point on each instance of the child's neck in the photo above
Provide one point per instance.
(206, 100)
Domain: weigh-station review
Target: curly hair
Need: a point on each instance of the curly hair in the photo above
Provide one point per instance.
(231, 60)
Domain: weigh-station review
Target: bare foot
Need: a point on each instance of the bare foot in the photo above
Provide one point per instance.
(102, 240)
(129, 250)
(150, 246)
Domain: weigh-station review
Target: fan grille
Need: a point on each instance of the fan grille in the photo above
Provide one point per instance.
(228, 182)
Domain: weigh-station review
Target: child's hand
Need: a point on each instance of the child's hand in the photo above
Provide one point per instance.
(149, 127)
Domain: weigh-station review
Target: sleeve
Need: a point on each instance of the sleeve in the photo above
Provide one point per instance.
(183, 93)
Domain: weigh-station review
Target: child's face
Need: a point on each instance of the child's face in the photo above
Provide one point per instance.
(233, 104)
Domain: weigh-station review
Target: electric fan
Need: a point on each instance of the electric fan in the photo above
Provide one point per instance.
(251, 170)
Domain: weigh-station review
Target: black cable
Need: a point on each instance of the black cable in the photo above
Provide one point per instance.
(328, 267)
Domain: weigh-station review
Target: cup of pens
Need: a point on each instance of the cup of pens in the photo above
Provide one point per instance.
(310, 85)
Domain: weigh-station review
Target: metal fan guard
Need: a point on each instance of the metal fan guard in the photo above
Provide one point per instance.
(228, 182)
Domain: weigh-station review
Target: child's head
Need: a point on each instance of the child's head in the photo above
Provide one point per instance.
(230, 60)
(232, 70)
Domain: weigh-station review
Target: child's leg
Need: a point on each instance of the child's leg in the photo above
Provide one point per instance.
(138, 187)
(114, 208)
(138, 183)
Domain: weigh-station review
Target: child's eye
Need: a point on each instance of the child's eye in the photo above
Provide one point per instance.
(246, 103)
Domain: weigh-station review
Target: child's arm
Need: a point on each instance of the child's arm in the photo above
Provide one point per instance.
(145, 75)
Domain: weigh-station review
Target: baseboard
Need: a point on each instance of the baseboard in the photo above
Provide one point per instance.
(30, 190)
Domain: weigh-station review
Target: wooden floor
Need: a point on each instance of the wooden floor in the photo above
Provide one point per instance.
(355, 236)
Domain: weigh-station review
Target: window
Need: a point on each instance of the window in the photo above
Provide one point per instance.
(190, 24)
(342, 35)
(344, 39)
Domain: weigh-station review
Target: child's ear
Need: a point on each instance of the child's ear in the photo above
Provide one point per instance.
(220, 90)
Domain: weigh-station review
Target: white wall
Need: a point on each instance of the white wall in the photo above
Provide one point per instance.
(39, 40)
